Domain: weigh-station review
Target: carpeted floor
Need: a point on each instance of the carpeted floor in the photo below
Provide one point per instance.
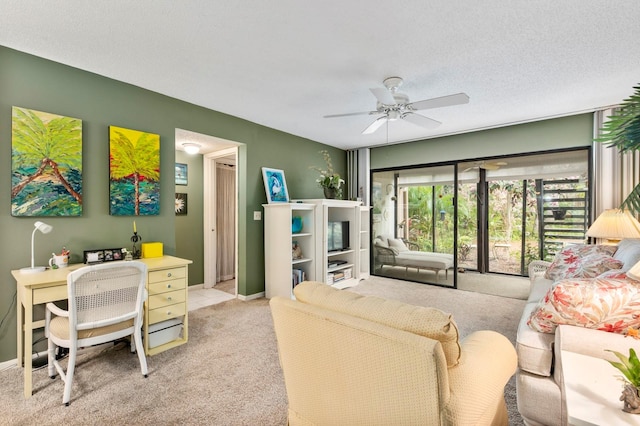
(227, 374)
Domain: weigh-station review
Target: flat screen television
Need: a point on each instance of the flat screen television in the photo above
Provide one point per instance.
(337, 236)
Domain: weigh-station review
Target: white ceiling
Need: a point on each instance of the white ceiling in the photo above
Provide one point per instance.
(287, 63)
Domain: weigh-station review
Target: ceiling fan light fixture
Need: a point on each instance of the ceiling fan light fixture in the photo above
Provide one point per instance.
(191, 148)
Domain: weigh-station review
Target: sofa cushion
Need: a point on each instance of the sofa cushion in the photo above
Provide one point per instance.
(568, 264)
(427, 322)
(381, 242)
(628, 252)
(607, 304)
(397, 245)
(573, 252)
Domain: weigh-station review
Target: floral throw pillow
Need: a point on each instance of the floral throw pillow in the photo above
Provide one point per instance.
(582, 261)
(607, 304)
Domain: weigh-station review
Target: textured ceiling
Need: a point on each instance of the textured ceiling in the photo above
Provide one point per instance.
(287, 63)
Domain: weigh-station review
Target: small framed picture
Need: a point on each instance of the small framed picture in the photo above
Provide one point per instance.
(93, 256)
(275, 185)
(181, 204)
(181, 174)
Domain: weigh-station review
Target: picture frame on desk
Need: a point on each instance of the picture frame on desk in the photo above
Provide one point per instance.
(103, 255)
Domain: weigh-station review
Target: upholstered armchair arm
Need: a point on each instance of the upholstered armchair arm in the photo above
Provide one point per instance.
(537, 268)
(477, 382)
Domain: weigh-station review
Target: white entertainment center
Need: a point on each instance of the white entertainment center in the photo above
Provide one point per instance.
(343, 266)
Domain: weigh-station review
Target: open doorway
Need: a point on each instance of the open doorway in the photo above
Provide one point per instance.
(209, 219)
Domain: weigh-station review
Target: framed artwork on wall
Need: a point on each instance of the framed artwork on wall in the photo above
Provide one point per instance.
(275, 185)
(182, 174)
(181, 204)
(134, 172)
(46, 164)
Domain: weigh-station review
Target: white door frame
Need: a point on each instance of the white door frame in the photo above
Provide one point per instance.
(209, 211)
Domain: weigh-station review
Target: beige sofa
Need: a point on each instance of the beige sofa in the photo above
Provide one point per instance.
(349, 359)
(540, 393)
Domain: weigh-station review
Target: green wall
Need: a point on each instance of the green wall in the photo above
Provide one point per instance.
(560, 133)
(189, 227)
(35, 83)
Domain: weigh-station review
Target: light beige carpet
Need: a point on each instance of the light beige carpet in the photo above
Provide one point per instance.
(227, 374)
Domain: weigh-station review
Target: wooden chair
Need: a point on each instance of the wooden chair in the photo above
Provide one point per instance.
(105, 304)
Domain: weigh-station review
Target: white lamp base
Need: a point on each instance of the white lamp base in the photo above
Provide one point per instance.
(30, 270)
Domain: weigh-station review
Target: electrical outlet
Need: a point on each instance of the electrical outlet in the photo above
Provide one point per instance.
(257, 215)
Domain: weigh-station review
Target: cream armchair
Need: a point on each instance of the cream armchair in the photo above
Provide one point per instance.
(351, 359)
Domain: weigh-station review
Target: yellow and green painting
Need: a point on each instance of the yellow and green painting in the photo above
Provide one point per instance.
(134, 172)
(46, 164)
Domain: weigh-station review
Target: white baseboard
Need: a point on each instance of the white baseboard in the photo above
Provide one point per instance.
(251, 296)
(7, 365)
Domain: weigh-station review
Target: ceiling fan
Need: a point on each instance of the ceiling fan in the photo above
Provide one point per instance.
(393, 105)
(487, 165)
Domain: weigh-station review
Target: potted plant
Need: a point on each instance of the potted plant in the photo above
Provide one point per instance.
(630, 368)
(623, 132)
(329, 180)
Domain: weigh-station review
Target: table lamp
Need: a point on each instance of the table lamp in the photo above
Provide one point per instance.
(614, 225)
(45, 229)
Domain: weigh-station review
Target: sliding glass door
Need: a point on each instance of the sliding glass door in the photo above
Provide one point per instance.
(413, 212)
(430, 223)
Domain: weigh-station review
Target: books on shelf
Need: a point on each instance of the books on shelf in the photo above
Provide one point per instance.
(335, 277)
(297, 276)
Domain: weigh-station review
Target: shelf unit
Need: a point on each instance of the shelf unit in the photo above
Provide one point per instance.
(280, 267)
(365, 242)
(348, 273)
(352, 264)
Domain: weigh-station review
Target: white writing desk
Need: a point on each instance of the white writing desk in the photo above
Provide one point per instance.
(51, 285)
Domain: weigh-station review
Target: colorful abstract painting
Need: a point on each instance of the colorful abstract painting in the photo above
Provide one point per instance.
(134, 172)
(46, 164)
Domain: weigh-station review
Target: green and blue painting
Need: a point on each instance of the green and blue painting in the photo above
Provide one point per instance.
(134, 172)
(46, 164)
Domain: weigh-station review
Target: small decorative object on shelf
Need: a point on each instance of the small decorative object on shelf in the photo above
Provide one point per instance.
(135, 251)
(630, 368)
(296, 224)
(329, 180)
(296, 251)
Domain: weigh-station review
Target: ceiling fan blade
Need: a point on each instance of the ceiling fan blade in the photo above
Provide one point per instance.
(490, 166)
(383, 96)
(421, 120)
(350, 114)
(443, 101)
(375, 125)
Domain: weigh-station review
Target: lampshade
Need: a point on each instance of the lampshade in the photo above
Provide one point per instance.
(191, 148)
(45, 229)
(614, 225)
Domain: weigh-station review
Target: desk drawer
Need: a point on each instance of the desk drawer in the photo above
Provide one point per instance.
(165, 286)
(167, 312)
(47, 294)
(165, 299)
(167, 274)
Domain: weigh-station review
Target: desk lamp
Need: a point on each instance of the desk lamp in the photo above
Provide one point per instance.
(45, 229)
(614, 225)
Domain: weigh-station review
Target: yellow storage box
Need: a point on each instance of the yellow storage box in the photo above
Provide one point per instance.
(151, 250)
